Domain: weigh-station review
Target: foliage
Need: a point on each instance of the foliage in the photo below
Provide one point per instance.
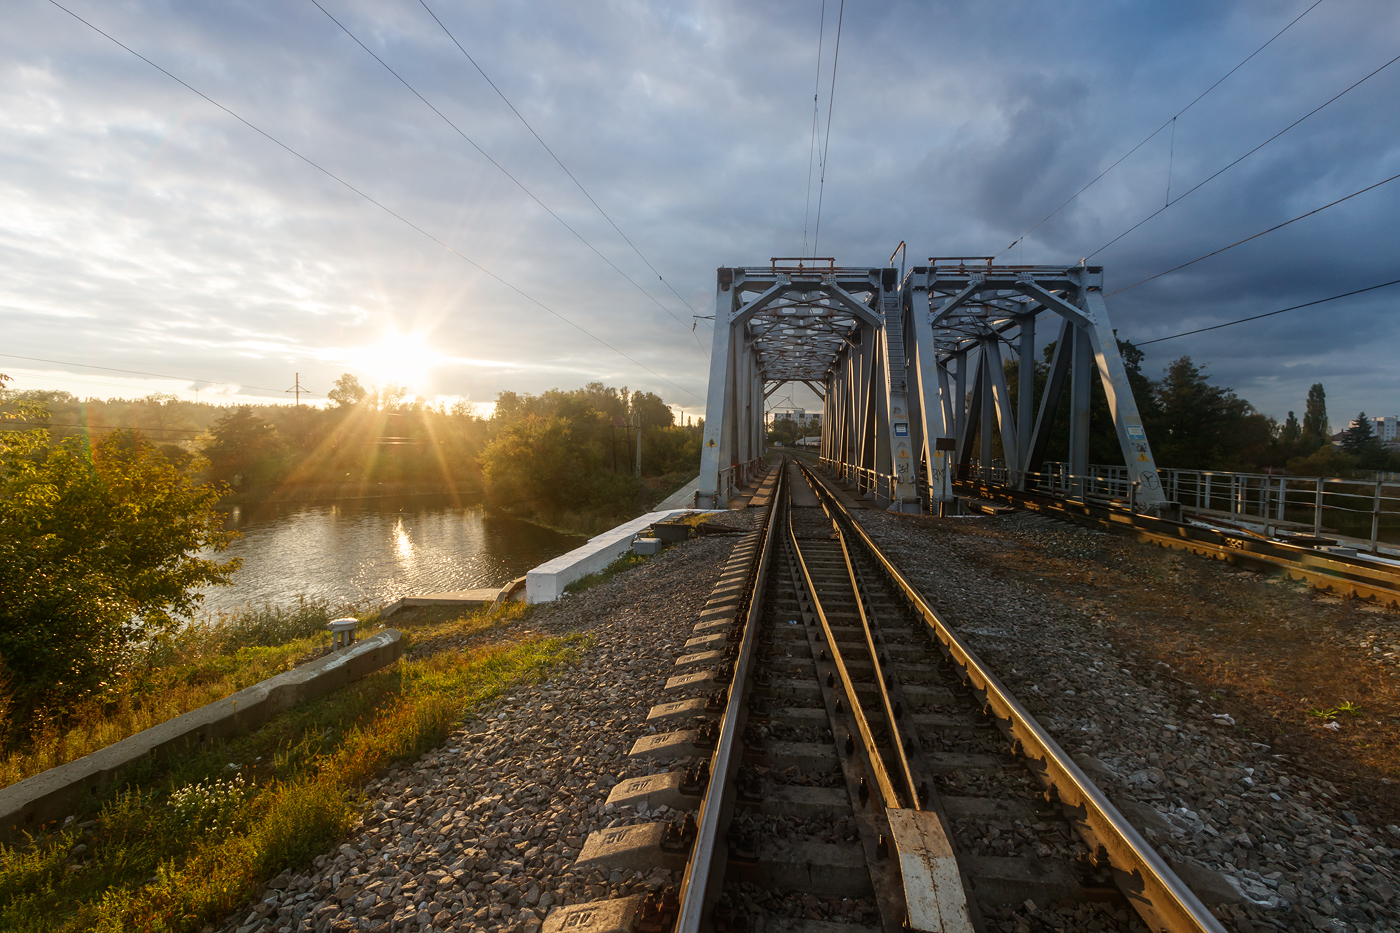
(245, 449)
(569, 457)
(99, 548)
(1315, 426)
(347, 392)
(1292, 430)
(171, 675)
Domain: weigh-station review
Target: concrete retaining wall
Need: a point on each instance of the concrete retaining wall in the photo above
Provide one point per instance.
(56, 793)
(547, 581)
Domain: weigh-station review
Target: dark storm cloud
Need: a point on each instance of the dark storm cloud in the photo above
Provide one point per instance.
(146, 229)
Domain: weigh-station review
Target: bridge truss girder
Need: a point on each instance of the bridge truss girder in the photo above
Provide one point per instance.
(961, 313)
(787, 323)
(911, 373)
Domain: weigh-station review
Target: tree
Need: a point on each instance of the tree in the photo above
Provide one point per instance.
(1316, 430)
(1358, 436)
(244, 450)
(100, 547)
(653, 411)
(1197, 421)
(347, 392)
(1292, 431)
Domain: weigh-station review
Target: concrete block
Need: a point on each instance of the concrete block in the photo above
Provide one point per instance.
(680, 708)
(667, 745)
(619, 915)
(57, 792)
(547, 581)
(646, 547)
(634, 848)
(654, 790)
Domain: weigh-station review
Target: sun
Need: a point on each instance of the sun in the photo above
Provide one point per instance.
(401, 359)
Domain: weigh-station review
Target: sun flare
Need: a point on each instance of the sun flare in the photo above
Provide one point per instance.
(401, 359)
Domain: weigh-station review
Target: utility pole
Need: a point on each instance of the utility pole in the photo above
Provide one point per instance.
(637, 419)
(297, 389)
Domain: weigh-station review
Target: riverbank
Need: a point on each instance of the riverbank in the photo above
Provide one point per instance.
(347, 492)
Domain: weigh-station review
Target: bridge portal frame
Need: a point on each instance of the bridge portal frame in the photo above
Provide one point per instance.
(964, 309)
(912, 374)
(787, 322)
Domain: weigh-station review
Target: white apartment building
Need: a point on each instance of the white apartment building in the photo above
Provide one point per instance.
(1387, 429)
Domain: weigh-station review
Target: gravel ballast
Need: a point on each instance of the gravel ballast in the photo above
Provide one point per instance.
(1298, 857)
(481, 833)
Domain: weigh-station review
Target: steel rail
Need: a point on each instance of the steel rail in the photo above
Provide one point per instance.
(1154, 890)
(725, 761)
(895, 738)
(877, 764)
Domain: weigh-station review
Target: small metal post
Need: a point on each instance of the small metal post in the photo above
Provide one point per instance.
(1376, 521)
(1207, 493)
(343, 632)
(1317, 509)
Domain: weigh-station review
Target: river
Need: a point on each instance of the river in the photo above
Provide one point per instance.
(373, 551)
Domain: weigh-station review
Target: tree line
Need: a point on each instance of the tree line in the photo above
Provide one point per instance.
(109, 510)
(1194, 424)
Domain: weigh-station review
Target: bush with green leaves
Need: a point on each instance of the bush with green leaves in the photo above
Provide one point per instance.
(101, 546)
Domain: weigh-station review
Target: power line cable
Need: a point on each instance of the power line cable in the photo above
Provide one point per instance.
(21, 425)
(1255, 237)
(1256, 317)
(379, 204)
(605, 214)
(816, 110)
(826, 144)
(137, 372)
(519, 184)
(1251, 152)
(1159, 129)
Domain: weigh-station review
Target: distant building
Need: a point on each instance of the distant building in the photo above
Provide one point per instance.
(1387, 429)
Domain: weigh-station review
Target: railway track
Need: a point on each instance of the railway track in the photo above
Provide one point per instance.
(839, 762)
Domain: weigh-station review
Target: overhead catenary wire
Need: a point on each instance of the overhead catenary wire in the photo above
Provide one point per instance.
(137, 372)
(826, 144)
(556, 158)
(816, 112)
(379, 204)
(1256, 236)
(504, 171)
(1255, 317)
(1237, 161)
(1171, 120)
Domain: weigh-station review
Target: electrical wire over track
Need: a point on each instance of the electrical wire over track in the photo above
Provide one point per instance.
(838, 754)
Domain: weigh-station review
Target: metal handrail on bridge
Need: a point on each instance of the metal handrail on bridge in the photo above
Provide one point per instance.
(733, 478)
(1322, 504)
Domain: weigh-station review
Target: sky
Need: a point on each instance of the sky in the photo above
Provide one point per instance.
(146, 229)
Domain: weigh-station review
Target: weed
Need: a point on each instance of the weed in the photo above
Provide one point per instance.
(1349, 708)
(181, 845)
(587, 581)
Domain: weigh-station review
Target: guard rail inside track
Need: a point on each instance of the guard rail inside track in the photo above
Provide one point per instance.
(833, 742)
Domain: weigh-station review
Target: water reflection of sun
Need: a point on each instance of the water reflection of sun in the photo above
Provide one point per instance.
(403, 546)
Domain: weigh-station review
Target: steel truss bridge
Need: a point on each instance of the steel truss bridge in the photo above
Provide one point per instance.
(910, 371)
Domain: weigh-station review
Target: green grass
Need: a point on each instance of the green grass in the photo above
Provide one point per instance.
(207, 661)
(589, 580)
(1349, 708)
(176, 847)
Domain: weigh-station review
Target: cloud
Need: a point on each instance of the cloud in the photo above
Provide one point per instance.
(146, 229)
